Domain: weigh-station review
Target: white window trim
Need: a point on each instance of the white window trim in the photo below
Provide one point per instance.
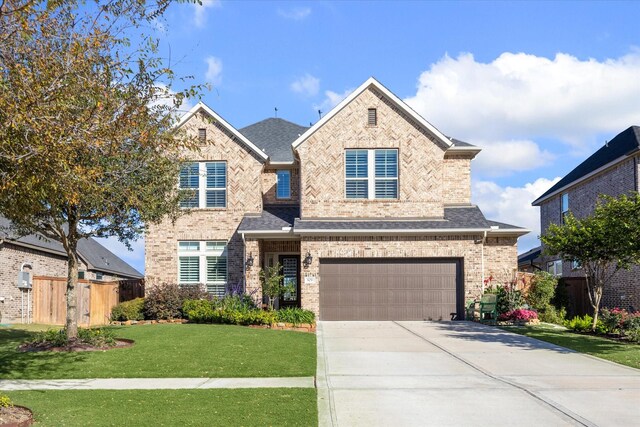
(278, 184)
(371, 174)
(202, 254)
(202, 186)
(555, 264)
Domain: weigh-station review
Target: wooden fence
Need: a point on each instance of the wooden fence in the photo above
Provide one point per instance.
(95, 299)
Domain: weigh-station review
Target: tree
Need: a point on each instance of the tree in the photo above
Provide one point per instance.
(271, 279)
(602, 244)
(87, 146)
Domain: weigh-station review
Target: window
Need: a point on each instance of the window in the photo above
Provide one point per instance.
(203, 262)
(208, 181)
(80, 274)
(379, 182)
(99, 275)
(565, 206)
(283, 186)
(202, 135)
(555, 267)
(372, 117)
(576, 265)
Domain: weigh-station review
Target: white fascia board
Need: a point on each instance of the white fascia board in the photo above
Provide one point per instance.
(539, 200)
(400, 103)
(202, 106)
(464, 150)
(443, 231)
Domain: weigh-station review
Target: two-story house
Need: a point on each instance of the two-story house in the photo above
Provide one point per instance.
(612, 170)
(368, 212)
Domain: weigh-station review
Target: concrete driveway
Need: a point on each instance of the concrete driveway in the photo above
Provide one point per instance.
(462, 373)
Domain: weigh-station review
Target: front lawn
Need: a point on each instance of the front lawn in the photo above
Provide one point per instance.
(620, 352)
(214, 407)
(169, 351)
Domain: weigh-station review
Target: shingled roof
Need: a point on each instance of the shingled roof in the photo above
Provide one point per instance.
(93, 253)
(274, 136)
(623, 144)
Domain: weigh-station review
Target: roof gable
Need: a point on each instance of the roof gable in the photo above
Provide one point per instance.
(274, 136)
(372, 82)
(626, 142)
(201, 106)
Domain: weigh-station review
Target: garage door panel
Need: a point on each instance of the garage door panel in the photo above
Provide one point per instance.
(389, 289)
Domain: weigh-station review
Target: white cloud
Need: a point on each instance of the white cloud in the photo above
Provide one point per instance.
(214, 70)
(200, 11)
(512, 205)
(521, 96)
(295, 14)
(135, 257)
(306, 85)
(165, 96)
(331, 100)
(501, 158)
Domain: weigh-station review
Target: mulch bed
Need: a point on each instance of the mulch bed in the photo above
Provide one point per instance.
(78, 346)
(15, 416)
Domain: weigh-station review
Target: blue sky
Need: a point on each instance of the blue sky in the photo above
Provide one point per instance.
(539, 86)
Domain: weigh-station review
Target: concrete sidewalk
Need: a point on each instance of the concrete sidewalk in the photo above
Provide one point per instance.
(463, 374)
(156, 383)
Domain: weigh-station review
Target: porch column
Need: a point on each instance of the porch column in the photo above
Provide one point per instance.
(252, 278)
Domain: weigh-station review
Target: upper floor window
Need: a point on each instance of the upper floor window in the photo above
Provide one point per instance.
(555, 267)
(203, 262)
(565, 206)
(377, 182)
(99, 275)
(283, 185)
(208, 180)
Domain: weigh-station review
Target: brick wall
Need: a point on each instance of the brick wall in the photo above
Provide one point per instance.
(622, 178)
(421, 163)
(243, 195)
(501, 251)
(456, 180)
(269, 184)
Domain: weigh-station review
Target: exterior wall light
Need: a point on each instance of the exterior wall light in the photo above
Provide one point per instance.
(308, 259)
(249, 262)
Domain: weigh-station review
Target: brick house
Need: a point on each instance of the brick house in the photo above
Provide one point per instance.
(45, 257)
(612, 170)
(368, 211)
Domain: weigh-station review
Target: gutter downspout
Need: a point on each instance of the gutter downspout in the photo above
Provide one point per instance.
(244, 265)
(484, 240)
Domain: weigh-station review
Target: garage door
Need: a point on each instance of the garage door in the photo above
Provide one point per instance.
(389, 289)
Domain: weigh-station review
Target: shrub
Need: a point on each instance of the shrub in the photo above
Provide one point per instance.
(580, 324)
(508, 298)
(203, 311)
(519, 315)
(553, 315)
(128, 310)
(295, 315)
(542, 291)
(611, 320)
(5, 402)
(95, 337)
(164, 301)
(235, 302)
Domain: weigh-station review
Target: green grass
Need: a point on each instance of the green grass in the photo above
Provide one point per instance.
(169, 350)
(237, 407)
(620, 352)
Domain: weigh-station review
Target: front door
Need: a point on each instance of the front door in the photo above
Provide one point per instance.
(291, 281)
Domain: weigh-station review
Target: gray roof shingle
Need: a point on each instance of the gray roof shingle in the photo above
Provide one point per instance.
(275, 137)
(272, 218)
(98, 257)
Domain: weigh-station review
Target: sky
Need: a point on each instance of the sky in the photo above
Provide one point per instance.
(539, 86)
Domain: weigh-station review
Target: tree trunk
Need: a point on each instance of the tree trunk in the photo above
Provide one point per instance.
(72, 295)
(596, 306)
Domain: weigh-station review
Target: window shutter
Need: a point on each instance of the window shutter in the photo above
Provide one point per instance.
(373, 117)
(189, 269)
(202, 135)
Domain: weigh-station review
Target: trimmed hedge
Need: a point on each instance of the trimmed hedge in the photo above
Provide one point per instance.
(128, 310)
(295, 315)
(230, 312)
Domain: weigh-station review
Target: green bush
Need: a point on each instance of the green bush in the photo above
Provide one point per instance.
(580, 324)
(128, 310)
(507, 298)
(5, 402)
(553, 315)
(204, 311)
(542, 291)
(633, 334)
(295, 315)
(165, 301)
(95, 337)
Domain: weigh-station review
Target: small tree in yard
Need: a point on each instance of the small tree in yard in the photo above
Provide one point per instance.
(271, 279)
(87, 148)
(603, 243)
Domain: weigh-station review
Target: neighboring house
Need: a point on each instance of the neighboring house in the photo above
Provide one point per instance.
(530, 261)
(368, 211)
(612, 170)
(45, 257)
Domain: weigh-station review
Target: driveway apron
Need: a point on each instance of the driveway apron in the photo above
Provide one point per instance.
(463, 373)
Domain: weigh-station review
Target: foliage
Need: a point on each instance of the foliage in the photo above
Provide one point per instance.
(295, 315)
(603, 243)
(508, 297)
(542, 290)
(165, 300)
(519, 315)
(128, 310)
(5, 402)
(580, 324)
(561, 297)
(87, 146)
(271, 279)
(552, 315)
(95, 337)
(204, 311)
(622, 322)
